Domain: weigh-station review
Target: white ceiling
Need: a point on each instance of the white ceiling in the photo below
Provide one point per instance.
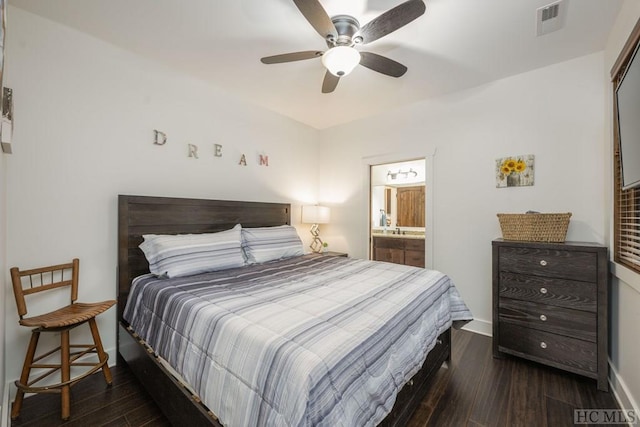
(456, 44)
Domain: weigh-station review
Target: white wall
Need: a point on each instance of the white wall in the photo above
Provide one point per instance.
(625, 286)
(554, 113)
(84, 118)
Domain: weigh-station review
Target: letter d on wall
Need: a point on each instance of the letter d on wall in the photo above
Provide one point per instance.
(159, 138)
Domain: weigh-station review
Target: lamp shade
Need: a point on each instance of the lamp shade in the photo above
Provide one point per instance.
(315, 214)
(341, 60)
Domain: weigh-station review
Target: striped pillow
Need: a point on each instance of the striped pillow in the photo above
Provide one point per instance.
(264, 244)
(187, 254)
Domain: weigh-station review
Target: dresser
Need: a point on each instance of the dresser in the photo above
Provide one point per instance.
(550, 303)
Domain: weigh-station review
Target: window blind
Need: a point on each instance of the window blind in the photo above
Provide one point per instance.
(626, 210)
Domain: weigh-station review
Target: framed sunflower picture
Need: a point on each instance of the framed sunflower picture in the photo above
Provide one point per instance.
(514, 171)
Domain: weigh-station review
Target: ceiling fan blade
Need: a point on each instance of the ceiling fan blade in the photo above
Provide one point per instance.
(330, 82)
(289, 57)
(382, 64)
(317, 17)
(391, 20)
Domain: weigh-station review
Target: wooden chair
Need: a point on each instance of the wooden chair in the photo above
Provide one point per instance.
(61, 321)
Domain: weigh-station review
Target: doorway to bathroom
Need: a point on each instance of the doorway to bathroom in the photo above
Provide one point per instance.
(398, 209)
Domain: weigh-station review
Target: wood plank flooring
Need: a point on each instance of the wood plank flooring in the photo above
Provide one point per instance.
(475, 390)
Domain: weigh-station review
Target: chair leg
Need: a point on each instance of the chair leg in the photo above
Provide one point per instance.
(101, 354)
(65, 374)
(26, 370)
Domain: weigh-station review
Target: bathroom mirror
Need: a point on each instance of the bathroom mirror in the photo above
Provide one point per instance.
(398, 195)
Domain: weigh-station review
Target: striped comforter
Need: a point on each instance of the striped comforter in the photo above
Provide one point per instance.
(306, 341)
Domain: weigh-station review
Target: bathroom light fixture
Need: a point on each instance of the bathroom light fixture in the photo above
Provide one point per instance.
(403, 174)
(316, 215)
(341, 60)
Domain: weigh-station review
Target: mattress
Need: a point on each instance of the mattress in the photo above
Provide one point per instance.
(306, 341)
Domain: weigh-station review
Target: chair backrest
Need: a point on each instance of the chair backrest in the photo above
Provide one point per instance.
(43, 279)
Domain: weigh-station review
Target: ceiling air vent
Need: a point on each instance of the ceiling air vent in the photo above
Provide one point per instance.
(550, 18)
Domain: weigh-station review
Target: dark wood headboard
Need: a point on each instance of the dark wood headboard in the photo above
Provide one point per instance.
(138, 215)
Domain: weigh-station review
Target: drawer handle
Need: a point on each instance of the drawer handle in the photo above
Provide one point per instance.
(410, 383)
(543, 290)
(543, 344)
(543, 263)
(438, 341)
(543, 317)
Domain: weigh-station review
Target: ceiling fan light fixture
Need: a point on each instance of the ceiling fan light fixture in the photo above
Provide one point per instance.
(341, 60)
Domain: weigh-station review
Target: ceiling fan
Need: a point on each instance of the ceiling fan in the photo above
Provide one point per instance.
(343, 32)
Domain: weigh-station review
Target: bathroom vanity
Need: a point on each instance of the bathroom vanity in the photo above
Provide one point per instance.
(407, 249)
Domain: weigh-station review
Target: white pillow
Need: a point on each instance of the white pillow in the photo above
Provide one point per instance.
(186, 254)
(262, 244)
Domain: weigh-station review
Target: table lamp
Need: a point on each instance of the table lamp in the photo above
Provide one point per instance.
(315, 215)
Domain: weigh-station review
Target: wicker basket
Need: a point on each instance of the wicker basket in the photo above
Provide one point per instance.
(535, 227)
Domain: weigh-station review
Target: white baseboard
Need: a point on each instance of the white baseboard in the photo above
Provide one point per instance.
(479, 326)
(4, 411)
(621, 391)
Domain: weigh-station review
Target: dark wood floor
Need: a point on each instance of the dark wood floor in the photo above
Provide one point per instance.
(476, 390)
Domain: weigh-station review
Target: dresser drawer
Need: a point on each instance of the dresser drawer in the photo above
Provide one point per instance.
(557, 292)
(563, 321)
(414, 244)
(568, 353)
(388, 242)
(575, 265)
(395, 256)
(414, 258)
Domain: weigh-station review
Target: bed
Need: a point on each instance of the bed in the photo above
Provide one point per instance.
(296, 391)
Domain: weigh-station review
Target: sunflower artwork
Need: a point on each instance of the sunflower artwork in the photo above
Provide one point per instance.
(514, 171)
